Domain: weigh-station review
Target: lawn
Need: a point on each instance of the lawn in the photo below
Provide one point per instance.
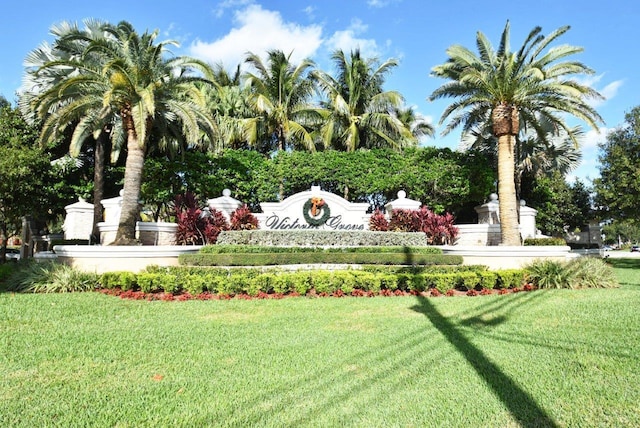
(543, 358)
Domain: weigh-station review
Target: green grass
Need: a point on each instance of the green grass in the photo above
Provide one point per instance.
(545, 358)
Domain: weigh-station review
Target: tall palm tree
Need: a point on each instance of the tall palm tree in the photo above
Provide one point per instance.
(280, 93)
(135, 81)
(359, 112)
(92, 124)
(505, 88)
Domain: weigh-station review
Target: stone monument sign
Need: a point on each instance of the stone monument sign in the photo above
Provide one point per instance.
(314, 209)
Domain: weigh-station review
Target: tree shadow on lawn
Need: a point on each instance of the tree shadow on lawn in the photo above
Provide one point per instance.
(521, 404)
(371, 369)
(393, 357)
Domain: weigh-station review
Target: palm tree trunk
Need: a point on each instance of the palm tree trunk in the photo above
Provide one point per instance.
(98, 184)
(508, 204)
(126, 234)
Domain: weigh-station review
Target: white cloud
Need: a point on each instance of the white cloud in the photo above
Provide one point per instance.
(258, 30)
(592, 138)
(378, 3)
(347, 40)
(309, 11)
(609, 91)
(229, 4)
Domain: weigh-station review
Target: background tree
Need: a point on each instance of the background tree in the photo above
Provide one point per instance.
(24, 168)
(618, 188)
(504, 88)
(229, 101)
(621, 232)
(562, 207)
(280, 94)
(359, 113)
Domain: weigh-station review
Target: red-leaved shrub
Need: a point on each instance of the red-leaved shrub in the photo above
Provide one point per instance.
(378, 222)
(440, 229)
(243, 219)
(195, 225)
(403, 220)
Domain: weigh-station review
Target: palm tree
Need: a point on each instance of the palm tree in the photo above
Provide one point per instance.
(91, 123)
(229, 102)
(505, 88)
(358, 112)
(416, 123)
(134, 81)
(280, 93)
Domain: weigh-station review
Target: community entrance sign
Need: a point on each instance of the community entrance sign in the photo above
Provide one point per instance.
(314, 209)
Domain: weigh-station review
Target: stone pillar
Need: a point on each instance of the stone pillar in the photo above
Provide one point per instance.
(225, 204)
(402, 202)
(109, 227)
(78, 223)
(489, 213)
(527, 221)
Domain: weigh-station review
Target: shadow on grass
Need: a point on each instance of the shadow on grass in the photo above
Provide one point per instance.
(628, 270)
(621, 263)
(520, 404)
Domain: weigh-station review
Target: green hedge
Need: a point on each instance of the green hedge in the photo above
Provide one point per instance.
(270, 259)
(544, 241)
(232, 249)
(323, 238)
(255, 281)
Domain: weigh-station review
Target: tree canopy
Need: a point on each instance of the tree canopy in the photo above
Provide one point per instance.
(618, 188)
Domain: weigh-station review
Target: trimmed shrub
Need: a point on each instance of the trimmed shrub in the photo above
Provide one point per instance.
(487, 279)
(510, 278)
(443, 282)
(270, 259)
(418, 282)
(322, 282)
(467, 280)
(261, 249)
(283, 283)
(118, 279)
(195, 284)
(545, 241)
(170, 283)
(324, 238)
(343, 280)
(149, 282)
(302, 282)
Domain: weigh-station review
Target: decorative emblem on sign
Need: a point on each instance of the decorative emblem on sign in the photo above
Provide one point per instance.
(316, 211)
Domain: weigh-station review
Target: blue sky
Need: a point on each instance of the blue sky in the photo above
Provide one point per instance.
(416, 32)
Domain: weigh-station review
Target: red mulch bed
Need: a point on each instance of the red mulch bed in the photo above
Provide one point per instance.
(139, 295)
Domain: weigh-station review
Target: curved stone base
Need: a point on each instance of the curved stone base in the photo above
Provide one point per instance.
(507, 257)
(100, 259)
